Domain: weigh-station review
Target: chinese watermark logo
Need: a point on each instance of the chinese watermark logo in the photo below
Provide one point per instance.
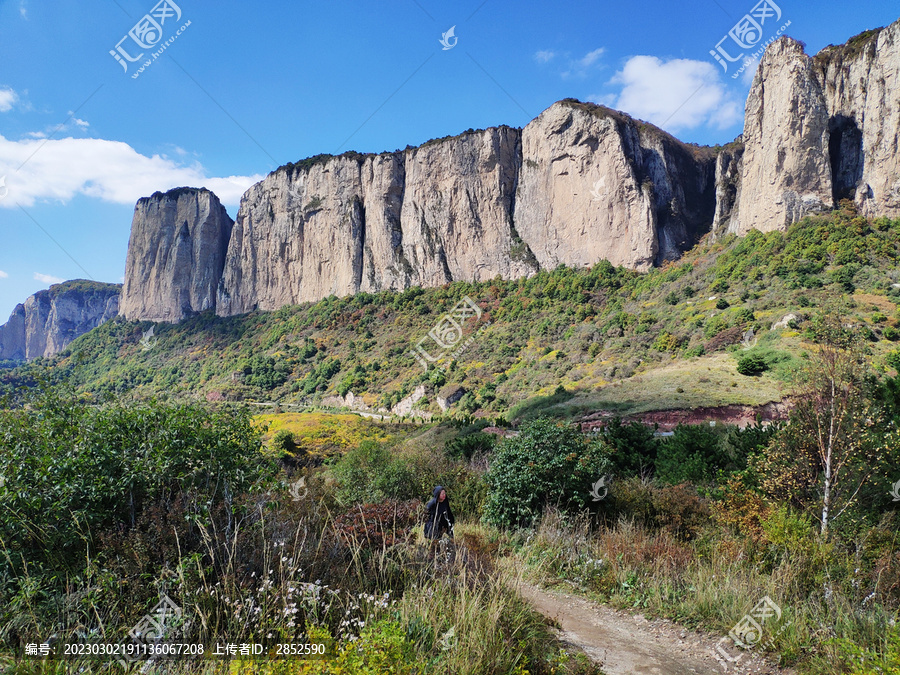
(448, 640)
(3, 189)
(599, 190)
(447, 37)
(299, 489)
(747, 34)
(895, 492)
(596, 487)
(156, 622)
(749, 340)
(747, 632)
(448, 333)
(146, 34)
(148, 342)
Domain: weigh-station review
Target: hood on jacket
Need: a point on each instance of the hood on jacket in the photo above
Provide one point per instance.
(437, 492)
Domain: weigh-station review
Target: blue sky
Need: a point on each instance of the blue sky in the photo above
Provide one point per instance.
(246, 87)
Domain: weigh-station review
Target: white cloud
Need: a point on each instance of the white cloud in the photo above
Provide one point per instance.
(8, 99)
(23, 9)
(676, 94)
(109, 170)
(581, 66)
(47, 278)
(79, 123)
(591, 58)
(3, 275)
(544, 56)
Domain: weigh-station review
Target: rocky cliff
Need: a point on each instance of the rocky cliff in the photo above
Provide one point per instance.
(340, 225)
(176, 253)
(595, 184)
(860, 81)
(820, 129)
(578, 184)
(49, 320)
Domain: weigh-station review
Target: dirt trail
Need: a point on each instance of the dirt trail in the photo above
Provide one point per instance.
(627, 644)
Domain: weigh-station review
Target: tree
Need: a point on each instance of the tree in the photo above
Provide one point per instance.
(835, 441)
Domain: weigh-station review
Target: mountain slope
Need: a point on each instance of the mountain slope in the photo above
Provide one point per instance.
(556, 334)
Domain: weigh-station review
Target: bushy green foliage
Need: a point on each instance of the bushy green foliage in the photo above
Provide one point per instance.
(632, 447)
(470, 445)
(265, 372)
(696, 453)
(74, 469)
(548, 463)
(752, 364)
(283, 442)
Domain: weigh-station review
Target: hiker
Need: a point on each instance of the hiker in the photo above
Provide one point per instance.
(439, 517)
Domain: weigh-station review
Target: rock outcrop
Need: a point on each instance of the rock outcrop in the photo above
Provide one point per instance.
(176, 254)
(340, 225)
(579, 184)
(729, 164)
(818, 130)
(785, 170)
(861, 86)
(597, 184)
(49, 320)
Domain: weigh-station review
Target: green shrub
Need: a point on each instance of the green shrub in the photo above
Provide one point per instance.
(75, 469)
(893, 359)
(694, 453)
(283, 442)
(752, 364)
(632, 447)
(665, 342)
(548, 463)
(722, 303)
(470, 445)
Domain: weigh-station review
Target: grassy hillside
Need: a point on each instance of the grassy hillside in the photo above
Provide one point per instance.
(602, 337)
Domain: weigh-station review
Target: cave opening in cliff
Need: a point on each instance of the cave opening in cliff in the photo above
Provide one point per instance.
(846, 156)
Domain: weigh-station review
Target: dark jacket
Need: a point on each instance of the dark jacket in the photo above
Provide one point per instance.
(438, 517)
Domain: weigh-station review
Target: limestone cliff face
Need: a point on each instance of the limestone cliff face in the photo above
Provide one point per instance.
(425, 216)
(785, 172)
(176, 253)
(499, 202)
(12, 335)
(821, 129)
(578, 184)
(597, 184)
(861, 86)
(49, 320)
(729, 164)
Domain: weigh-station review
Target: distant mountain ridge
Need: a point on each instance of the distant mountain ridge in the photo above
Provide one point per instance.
(50, 319)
